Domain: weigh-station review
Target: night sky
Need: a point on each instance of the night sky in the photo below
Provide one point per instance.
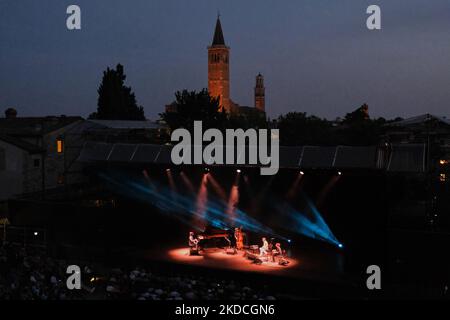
(316, 56)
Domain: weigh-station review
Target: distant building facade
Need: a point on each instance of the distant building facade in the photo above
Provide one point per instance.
(39, 154)
(260, 93)
(219, 79)
(219, 69)
(219, 76)
(125, 131)
(32, 153)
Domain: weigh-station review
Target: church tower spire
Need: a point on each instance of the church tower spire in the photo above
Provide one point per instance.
(218, 34)
(218, 68)
(260, 93)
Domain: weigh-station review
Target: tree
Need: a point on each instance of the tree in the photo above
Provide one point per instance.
(359, 129)
(115, 100)
(297, 128)
(190, 106)
(360, 115)
(251, 118)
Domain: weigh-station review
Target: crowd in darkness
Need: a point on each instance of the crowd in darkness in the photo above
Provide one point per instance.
(29, 274)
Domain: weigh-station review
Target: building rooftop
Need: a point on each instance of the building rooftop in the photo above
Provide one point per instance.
(418, 120)
(34, 126)
(127, 124)
(31, 148)
(218, 39)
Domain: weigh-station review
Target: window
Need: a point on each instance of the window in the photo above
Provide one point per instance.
(59, 145)
(36, 162)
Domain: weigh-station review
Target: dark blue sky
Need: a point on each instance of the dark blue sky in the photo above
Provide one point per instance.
(316, 56)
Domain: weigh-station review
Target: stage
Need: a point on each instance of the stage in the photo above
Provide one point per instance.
(310, 263)
(218, 258)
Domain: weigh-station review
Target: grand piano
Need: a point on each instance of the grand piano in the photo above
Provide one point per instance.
(215, 237)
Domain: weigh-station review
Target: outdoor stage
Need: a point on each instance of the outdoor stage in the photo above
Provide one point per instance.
(306, 262)
(218, 258)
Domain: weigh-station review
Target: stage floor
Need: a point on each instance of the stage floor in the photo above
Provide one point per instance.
(218, 258)
(317, 264)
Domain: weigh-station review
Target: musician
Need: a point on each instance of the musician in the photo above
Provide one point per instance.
(231, 238)
(277, 251)
(265, 247)
(193, 241)
(280, 253)
(239, 238)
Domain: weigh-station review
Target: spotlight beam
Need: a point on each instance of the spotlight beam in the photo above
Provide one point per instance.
(326, 190)
(217, 187)
(187, 182)
(184, 207)
(295, 186)
(202, 199)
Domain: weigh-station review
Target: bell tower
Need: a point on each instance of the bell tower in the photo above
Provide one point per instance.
(219, 68)
(260, 93)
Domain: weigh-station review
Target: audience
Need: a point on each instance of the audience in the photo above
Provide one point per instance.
(28, 274)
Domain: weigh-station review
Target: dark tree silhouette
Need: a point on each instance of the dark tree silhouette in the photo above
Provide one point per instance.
(297, 128)
(360, 115)
(115, 100)
(190, 106)
(359, 129)
(252, 118)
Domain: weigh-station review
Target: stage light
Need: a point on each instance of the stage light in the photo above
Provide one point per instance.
(340, 245)
(206, 169)
(167, 170)
(289, 240)
(302, 173)
(36, 233)
(339, 173)
(238, 170)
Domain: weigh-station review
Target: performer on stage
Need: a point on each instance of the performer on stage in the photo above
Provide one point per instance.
(265, 247)
(277, 251)
(239, 238)
(193, 241)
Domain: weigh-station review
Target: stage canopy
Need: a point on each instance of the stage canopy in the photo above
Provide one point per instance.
(395, 158)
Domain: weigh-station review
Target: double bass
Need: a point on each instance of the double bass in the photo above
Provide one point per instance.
(238, 235)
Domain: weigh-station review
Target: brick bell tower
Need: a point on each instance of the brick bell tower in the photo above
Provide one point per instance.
(219, 68)
(260, 93)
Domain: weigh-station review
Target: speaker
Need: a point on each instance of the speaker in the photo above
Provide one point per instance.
(193, 252)
(251, 256)
(283, 262)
